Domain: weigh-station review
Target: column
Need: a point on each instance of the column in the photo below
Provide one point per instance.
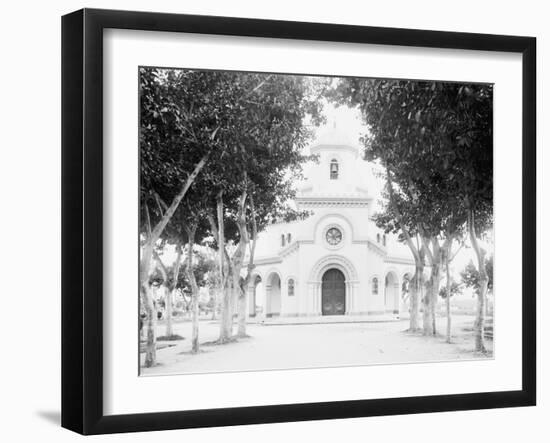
(397, 298)
(314, 296)
(251, 302)
(355, 294)
(267, 290)
(318, 297)
(348, 299)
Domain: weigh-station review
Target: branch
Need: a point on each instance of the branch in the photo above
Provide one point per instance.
(148, 219)
(160, 203)
(175, 203)
(426, 245)
(257, 87)
(254, 226)
(480, 252)
(161, 267)
(397, 213)
(251, 266)
(177, 265)
(241, 225)
(191, 229)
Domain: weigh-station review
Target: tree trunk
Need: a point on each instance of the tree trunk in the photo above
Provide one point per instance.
(238, 297)
(240, 294)
(418, 254)
(150, 327)
(448, 294)
(170, 293)
(168, 287)
(241, 300)
(226, 317)
(226, 279)
(168, 311)
(217, 290)
(428, 299)
(431, 298)
(427, 325)
(241, 328)
(190, 271)
(148, 304)
(415, 290)
(146, 259)
(435, 281)
(479, 323)
(195, 323)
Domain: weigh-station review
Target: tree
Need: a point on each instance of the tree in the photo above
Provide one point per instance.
(472, 129)
(188, 228)
(395, 218)
(434, 140)
(221, 125)
(176, 139)
(451, 288)
(249, 188)
(471, 278)
(454, 288)
(169, 281)
(404, 127)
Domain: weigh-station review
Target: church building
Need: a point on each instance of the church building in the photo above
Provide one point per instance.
(335, 262)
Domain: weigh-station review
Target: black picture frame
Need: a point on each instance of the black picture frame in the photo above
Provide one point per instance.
(82, 220)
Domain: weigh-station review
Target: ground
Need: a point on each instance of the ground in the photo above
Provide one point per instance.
(315, 345)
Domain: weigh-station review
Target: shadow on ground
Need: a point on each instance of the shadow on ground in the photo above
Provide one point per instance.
(54, 417)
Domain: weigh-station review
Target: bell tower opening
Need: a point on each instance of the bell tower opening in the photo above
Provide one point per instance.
(334, 169)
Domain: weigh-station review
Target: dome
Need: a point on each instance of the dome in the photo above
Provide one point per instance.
(332, 137)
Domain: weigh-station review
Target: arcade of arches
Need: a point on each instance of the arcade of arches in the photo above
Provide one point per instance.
(333, 293)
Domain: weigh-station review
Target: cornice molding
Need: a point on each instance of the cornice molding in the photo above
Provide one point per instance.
(399, 260)
(334, 201)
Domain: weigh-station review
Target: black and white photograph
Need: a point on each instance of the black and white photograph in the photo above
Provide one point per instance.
(267, 222)
(291, 221)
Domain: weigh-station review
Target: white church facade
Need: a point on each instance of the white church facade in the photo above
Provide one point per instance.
(335, 262)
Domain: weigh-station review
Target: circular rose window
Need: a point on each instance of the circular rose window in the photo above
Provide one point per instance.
(334, 236)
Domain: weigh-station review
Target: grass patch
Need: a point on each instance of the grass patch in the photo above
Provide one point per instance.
(233, 339)
(173, 337)
(143, 347)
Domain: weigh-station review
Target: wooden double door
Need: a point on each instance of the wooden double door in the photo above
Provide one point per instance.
(333, 293)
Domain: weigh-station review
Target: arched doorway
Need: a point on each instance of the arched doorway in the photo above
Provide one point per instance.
(273, 293)
(333, 293)
(253, 299)
(391, 293)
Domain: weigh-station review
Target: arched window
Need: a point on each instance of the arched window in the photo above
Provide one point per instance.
(384, 239)
(375, 285)
(291, 287)
(377, 238)
(333, 169)
(288, 238)
(282, 239)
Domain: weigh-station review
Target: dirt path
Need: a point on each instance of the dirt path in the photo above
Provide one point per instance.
(321, 345)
